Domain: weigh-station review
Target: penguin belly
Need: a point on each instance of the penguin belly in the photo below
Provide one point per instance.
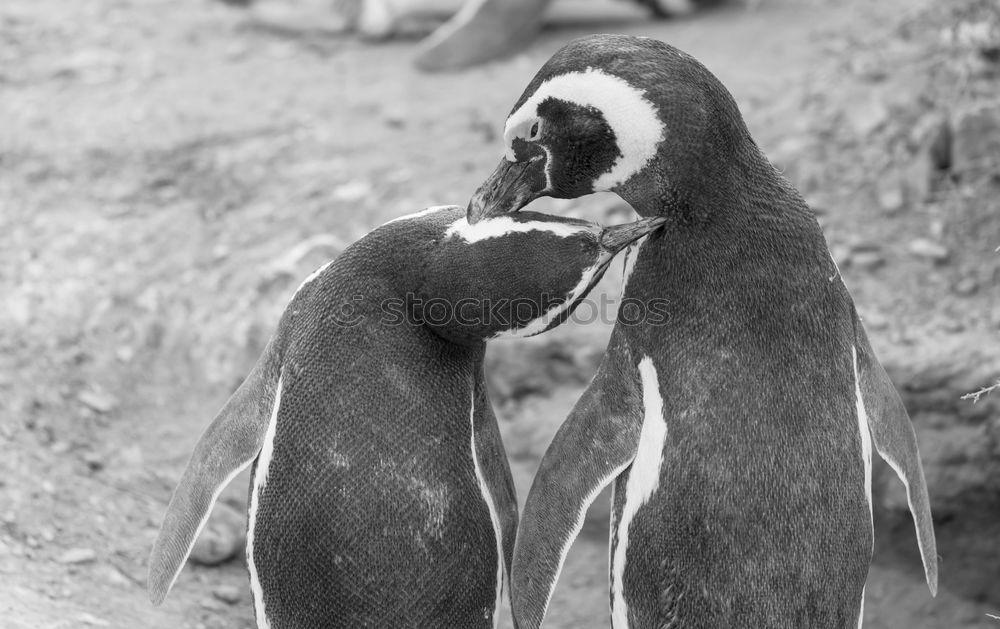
(362, 533)
(757, 527)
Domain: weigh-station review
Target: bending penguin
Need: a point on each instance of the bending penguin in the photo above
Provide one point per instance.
(381, 494)
(738, 429)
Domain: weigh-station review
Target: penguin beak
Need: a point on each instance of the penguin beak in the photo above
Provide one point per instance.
(512, 186)
(615, 238)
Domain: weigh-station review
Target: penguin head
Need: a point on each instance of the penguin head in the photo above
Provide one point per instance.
(629, 115)
(511, 275)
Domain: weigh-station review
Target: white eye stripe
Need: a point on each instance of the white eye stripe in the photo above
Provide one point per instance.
(632, 118)
(503, 225)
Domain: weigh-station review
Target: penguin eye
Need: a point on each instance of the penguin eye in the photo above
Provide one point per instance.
(535, 131)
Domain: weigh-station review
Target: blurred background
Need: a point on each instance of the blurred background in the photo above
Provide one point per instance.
(170, 171)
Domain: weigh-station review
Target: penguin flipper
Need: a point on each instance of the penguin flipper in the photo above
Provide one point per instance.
(229, 444)
(594, 445)
(894, 438)
(497, 475)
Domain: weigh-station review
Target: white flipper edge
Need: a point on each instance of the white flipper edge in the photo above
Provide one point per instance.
(896, 442)
(491, 505)
(643, 480)
(229, 444)
(259, 481)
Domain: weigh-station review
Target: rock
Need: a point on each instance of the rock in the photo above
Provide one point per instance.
(929, 250)
(875, 321)
(223, 537)
(114, 576)
(94, 461)
(890, 194)
(976, 141)
(841, 255)
(91, 620)
(966, 286)
(953, 459)
(313, 251)
(228, 594)
(515, 371)
(960, 450)
(77, 556)
(931, 137)
(867, 260)
(125, 354)
(528, 427)
(949, 324)
(862, 255)
(869, 68)
(352, 192)
(867, 116)
(98, 401)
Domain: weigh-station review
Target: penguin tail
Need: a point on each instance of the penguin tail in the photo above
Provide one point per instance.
(230, 443)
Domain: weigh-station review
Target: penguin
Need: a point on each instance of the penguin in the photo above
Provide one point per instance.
(381, 495)
(483, 30)
(739, 402)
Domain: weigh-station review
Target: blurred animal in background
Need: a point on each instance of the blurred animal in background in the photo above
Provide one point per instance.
(381, 495)
(474, 31)
(738, 428)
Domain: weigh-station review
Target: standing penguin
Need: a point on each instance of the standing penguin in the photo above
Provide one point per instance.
(738, 428)
(381, 494)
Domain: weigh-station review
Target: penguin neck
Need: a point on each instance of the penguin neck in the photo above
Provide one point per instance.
(692, 189)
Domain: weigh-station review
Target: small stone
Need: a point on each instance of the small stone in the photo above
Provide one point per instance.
(869, 68)
(98, 401)
(94, 461)
(931, 137)
(867, 116)
(875, 321)
(351, 192)
(929, 250)
(952, 325)
(228, 594)
(125, 354)
(223, 537)
(91, 620)
(394, 120)
(32, 542)
(976, 139)
(116, 577)
(816, 203)
(48, 487)
(890, 194)
(77, 556)
(60, 447)
(47, 534)
(868, 260)
(919, 178)
(841, 255)
(966, 286)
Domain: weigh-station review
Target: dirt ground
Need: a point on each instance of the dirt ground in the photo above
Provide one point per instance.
(169, 172)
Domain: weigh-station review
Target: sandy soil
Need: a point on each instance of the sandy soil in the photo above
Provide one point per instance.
(162, 162)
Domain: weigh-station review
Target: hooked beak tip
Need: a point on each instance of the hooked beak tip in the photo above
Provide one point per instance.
(511, 186)
(618, 237)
